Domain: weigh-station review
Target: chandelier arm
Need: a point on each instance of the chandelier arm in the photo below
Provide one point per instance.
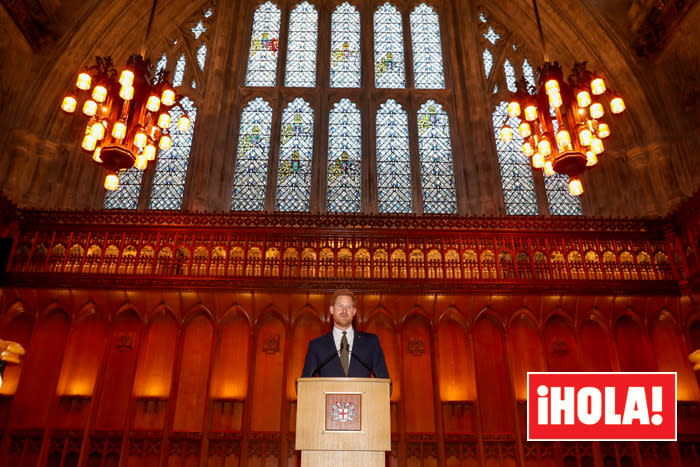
(539, 28)
(148, 28)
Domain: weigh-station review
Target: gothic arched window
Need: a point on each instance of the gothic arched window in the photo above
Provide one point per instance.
(388, 48)
(520, 192)
(296, 146)
(344, 157)
(167, 181)
(301, 46)
(345, 47)
(427, 48)
(250, 173)
(437, 173)
(264, 42)
(393, 164)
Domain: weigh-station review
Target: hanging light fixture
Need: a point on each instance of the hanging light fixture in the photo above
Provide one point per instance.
(128, 112)
(563, 128)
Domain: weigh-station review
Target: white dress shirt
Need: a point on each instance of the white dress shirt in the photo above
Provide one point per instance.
(350, 336)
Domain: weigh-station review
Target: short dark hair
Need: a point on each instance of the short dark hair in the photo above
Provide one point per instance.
(343, 293)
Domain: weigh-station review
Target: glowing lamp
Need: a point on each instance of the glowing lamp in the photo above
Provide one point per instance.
(597, 146)
(96, 155)
(551, 86)
(140, 139)
(164, 120)
(583, 98)
(617, 105)
(97, 130)
(150, 152)
(126, 93)
(524, 129)
(513, 109)
(544, 147)
(575, 187)
(99, 93)
(90, 108)
(183, 124)
(597, 110)
(528, 150)
(153, 103)
(564, 140)
(598, 86)
(591, 159)
(585, 137)
(168, 97)
(89, 143)
(126, 79)
(84, 81)
(549, 169)
(164, 142)
(141, 162)
(68, 104)
(555, 100)
(111, 182)
(603, 130)
(538, 160)
(506, 134)
(531, 113)
(119, 130)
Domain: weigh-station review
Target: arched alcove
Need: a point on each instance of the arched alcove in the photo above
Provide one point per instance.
(270, 345)
(418, 375)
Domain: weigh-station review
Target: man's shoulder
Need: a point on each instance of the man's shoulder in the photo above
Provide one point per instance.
(366, 335)
(320, 339)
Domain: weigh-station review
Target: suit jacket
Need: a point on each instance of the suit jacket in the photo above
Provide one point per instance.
(322, 357)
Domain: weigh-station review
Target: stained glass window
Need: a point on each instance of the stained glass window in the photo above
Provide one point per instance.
(488, 61)
(393, 160)
(161, 65)
(171, 165)
(250, 173)
(437, 172)
(202, 56)
(296, 145)
(491, 36)
(561, 202)
(344, 156)
(345, 47)
(528, 73)
(388, 48)
(510, 76)
(198, 29)
(264, 41)
(179, 73)
(301, 47)
(126, 196)
(427, 48)
(516, 174)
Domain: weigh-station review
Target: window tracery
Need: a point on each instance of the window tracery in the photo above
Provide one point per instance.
(344, 156)
(393, 165)
(345, 47)
(296, 146)
(388, 48)
(301, 46)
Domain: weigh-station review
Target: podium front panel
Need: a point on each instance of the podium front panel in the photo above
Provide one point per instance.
(343, 414)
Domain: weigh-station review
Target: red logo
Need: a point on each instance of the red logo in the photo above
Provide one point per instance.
(601, 406)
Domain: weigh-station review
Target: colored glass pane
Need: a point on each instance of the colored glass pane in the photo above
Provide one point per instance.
(301, 46)
(198, 29)
(171, 165)
(296, 146)
(202, 56)
(345, 47)
(427, 48)
(179, 70)
(561, 202)
(126, 196)
(344, 156)
(510, 76)
(264, 42)
(250, 173)
(516, 174)
(435, 149)
(388, 48)
(488, 61)
(393, 160)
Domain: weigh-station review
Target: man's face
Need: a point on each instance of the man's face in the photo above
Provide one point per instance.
(343, 311)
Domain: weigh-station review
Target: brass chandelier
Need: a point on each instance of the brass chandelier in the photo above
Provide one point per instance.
(562, 124)
(128, 112)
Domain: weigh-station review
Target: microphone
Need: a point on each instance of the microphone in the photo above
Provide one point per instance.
(325, 362)
(364, 364)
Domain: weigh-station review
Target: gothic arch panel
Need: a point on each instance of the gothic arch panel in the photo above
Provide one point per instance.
(418, 375)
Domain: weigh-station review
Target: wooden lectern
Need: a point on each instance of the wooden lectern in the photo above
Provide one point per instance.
(343, 422)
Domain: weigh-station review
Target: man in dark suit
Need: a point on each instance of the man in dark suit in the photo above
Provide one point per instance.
(345, 351)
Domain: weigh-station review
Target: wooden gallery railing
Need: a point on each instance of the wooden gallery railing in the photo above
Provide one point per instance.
(257, 250)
